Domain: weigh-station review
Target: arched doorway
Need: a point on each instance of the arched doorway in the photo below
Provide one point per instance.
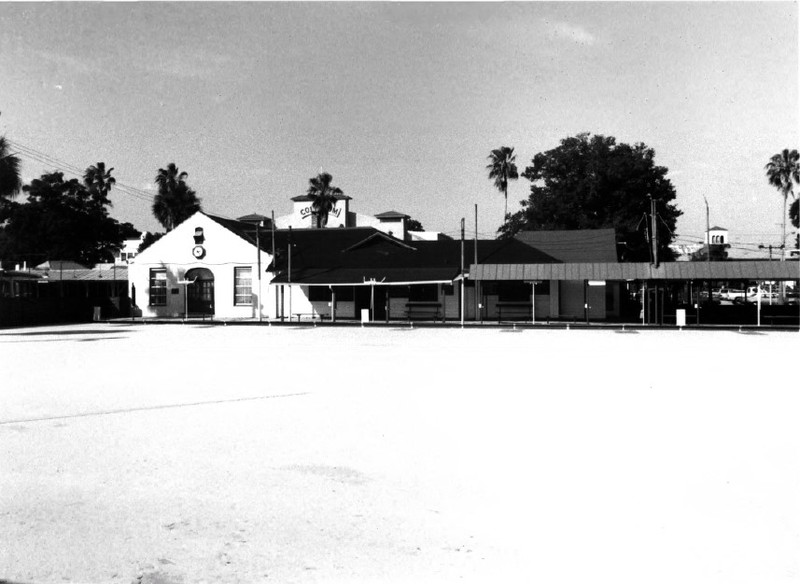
(200, 294)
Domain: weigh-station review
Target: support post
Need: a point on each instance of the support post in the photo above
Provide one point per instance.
(586, 300)
(644, 301)
(463, 297)
(758, 308)
(477, 296)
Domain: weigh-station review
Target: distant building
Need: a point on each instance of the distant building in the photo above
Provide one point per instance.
(129, 249)
(390, 222)
(717, 236)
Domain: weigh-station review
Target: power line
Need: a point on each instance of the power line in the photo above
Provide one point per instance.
(72, 169)
(58, 164)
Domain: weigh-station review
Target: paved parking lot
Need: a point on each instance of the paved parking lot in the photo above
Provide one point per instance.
(197, 453)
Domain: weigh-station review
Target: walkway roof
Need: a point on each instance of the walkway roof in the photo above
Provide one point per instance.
(731, 270)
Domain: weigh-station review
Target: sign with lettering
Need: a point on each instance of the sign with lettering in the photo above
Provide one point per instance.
(336, 211)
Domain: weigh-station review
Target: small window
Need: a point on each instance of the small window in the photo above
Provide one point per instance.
(158, 287)
(243, 286)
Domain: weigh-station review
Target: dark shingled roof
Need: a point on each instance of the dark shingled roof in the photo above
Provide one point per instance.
(583, 245)
(349, 255)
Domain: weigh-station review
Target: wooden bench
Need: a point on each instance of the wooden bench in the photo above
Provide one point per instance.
(514, 310)
(308, 315)
(423, 310)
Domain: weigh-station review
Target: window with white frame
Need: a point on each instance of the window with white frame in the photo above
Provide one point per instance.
(158, 287)
(243, 286)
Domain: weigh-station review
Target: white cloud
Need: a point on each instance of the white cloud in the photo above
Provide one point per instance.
(571, 32)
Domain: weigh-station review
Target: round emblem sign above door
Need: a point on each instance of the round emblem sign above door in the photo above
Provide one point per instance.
(199, 252)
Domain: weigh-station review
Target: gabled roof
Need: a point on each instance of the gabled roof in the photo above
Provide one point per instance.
(379, 236)
(715, 228)
(582, 245)
(246, 231)
(255, 218)
(349, 255)
(392, 215)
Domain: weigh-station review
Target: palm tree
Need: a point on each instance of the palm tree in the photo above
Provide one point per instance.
(783, 170)
(10, 181)
(175, 201)
(99, 182)
(502, 169)
(324, 196)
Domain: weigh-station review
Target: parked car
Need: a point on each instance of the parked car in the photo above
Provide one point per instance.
(752, 295)
(731, 294)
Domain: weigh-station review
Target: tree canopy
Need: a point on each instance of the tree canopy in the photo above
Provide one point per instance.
(413, 225)
(324, 197)
(591, 182)
(502, 168)
(783, 171)
(61, 220)
(175, 201)
(10, 181)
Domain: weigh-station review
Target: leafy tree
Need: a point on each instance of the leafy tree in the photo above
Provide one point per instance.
(502, 168)
(324, 197)
(413, 225)
(591, 182)
(149, 239)
(99, 182)
(10, 181)
(128, 231)
(61, 220)
(783, 170)
(175, 201)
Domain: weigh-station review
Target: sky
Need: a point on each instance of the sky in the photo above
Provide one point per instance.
(402, 102)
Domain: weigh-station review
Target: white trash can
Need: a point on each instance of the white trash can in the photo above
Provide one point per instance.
(680, 317)
(364, 315)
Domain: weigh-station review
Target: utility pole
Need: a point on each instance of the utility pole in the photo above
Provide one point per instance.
(708, 250)
(462, 273)
(654, 239)
(258, 254)
(289, 277)
(274, 261)
(477, 295)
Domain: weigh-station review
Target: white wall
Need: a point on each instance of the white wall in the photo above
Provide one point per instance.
(224, 252)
